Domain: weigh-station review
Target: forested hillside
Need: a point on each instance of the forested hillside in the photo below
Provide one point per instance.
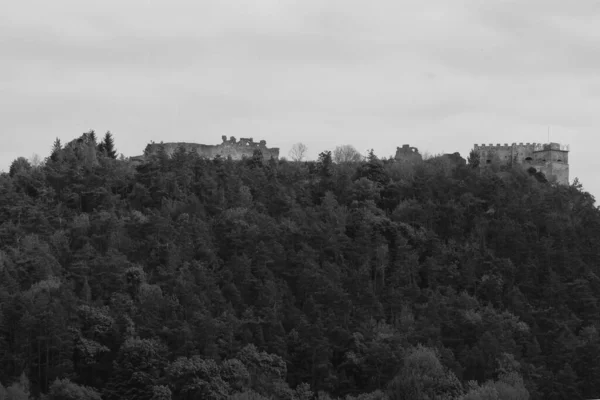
(187, 278)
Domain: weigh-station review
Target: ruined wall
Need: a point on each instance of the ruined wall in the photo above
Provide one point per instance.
(550, 158)
(228, 148)
(408, 154)
(455, 159)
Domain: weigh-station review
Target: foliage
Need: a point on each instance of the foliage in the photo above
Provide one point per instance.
(346, 153)
(64, 389)
(424, 377)
(184, 278)
(19, 390)
(18, 165)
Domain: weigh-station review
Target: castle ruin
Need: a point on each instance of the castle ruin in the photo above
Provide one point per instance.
(228, 148)
(410, 155)
(407, 154)
(552, 159)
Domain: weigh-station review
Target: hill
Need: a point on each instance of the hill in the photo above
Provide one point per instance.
(185, 278)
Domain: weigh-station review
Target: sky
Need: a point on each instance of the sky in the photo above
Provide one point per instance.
(439, 75)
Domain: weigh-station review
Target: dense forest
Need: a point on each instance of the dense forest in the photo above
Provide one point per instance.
(189, 278)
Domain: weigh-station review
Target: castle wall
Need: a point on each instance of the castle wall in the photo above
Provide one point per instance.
(554, 172)
(561, 173)
(523, 152)
(552, 159)
(505, 154)
(489, 154)
(229, 148)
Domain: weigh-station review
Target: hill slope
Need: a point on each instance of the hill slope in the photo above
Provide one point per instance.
(190, 278)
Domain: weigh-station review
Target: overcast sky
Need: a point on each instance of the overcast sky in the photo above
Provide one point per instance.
(440, 75)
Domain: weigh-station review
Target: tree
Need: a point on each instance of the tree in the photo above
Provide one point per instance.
(196, 378)
(235, 374)
(371, 157)
(56, 149)
(324, 164)
(298, 152)
(257, 160)
(64, 389)
(18, 165)
(92, 135)
(424, 377)
(265, 369)
(36, 160)
(135, 370)
(161, 393)
(107, 146)
(509, 386)
(17, 391)
(474, 159)
(346, 154)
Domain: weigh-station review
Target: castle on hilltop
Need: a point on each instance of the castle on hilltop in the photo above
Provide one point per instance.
(552, 159)
(228, 148)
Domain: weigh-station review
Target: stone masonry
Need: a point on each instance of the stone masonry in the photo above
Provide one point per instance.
(552, 159)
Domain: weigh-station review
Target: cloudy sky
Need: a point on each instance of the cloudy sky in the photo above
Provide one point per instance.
(440, 75)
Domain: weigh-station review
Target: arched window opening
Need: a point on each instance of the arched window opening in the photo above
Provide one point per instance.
(488, 161)
(529, 159)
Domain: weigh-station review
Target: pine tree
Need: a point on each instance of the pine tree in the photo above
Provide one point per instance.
(56, 148)
(92, 135)
(107, 146)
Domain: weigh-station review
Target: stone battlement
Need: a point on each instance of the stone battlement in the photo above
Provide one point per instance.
(534, 146)
(502, 147)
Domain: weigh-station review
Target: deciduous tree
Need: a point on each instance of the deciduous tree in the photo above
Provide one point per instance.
(298, 152)
(346, 154)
